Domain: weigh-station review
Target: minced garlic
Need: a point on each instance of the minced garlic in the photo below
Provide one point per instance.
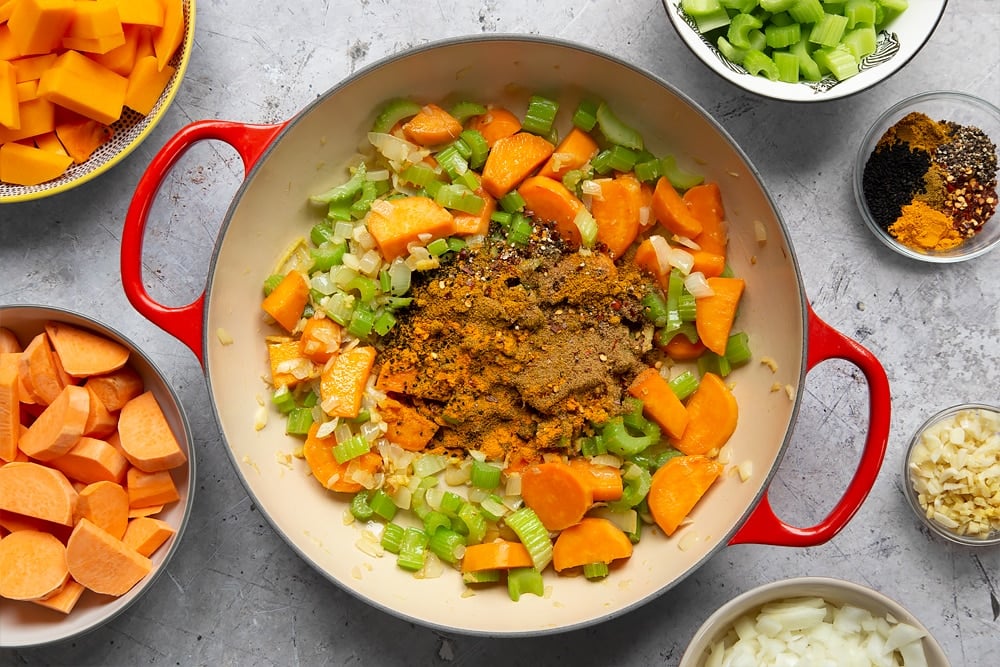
(955, 472)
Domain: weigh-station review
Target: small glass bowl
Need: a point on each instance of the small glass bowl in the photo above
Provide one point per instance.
(953, 106)
(911, 494)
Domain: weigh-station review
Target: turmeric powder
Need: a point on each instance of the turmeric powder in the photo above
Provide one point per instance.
(925, 228)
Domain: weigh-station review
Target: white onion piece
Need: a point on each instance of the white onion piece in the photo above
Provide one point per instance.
(399, 277)
(645, 216)
(681, 260)
(687, 242)
(592, 188)
(697, 284)
(662, 250)
(759, 231)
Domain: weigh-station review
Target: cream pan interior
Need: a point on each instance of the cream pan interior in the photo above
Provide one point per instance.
(270, 212)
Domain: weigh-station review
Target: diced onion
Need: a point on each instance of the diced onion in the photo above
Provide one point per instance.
(645, 216)
(759, 231)
(662, 250)
(382, 207)
(592, 188)
(686, 242)
(681, 260)
(697, 284)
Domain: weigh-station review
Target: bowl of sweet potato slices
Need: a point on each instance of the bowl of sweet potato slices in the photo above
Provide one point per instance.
(82, 84)
(96, 467)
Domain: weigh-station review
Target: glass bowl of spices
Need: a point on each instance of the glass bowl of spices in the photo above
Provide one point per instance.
(925, 178)
(949, 474)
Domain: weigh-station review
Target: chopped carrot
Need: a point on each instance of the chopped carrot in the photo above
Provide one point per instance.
(549, 200)
(406, 426)
(677, 486)
(708, 263)
(645, 258)
(286, 301)
(705, 203)
(574, 151)
(497, 123)
(102, 563)
(605, 481)
(342, 384)
(9, 341)
(136, 512)
(37, 491)
(100, 422)
(556, 494)
(106, 504)
(92, 460)
(146, 534)
(476, 224)
(147, 440)
(512, 159)
(318, 453)
(150, 488)
(671, 211)
(616, 212)
(659, 402)
(397, 380)
(410, 220)
(59, 426)
(680, 348)
(432, 126)
(715, 314)
(592, 540)
(712, 413)
(495, 555)
(117, 388)
(39, 372)
(320, 339)
(282, 350)
(65, 599)
(84, 353)
(32, 565)
(10, 405)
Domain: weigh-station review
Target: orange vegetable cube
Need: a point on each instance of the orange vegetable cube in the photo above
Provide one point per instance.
(38, 26)
(94, 44)
(78, 83)
(286, 302)
(281, 349)
(170, 35)
(26, 165)
(31, 67)
(145, 85)
(81, 137)
(9, 110)
(7, 49)
(38, 116)
(342, 385)
(122, 59)
(27, 91)
(141, 12)
(95, 19)
(410, 219)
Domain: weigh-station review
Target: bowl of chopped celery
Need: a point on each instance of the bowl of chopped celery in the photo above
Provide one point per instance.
(804, 50)
(812, 621)
(949, 474)
(925, 177)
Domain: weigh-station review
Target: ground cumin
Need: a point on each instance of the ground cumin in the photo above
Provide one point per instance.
(921, 226)
(919, 131)
(517, 351)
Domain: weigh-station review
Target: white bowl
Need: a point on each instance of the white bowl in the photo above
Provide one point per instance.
(834, 591)
(23, 624)
(902, 39)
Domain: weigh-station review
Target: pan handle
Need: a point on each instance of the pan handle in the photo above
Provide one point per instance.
(763, 526)
(183, 322)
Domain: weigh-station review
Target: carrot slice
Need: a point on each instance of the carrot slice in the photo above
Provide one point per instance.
(65, 599)
(512, 159)
(280, 351)
(549, 200)
(556, 494)
(318, 453)
(715, 314)
(117, 388)
(677, 486)
(574, 151)
(37, 491)
(497, 123)
(102, 563)
(92, 460)
(146, 534)
(406, 427)
(100, 422)
(39, 371)
(495, 555)
(150, 488)
(616, 212)
(680, 348)
(671, 211)
(432, 126)
(592, 540)
(106, 504)
(410, 220)
(712, 413)
(645, 258)
(84, 353)
(704, 201)
(59, 426)
(605, 481)
(659, 402)
(709, 263)
(10, 405)
(286, 301)
(397, 380)
(320, 339)
(32, 565)
(146, 438)
(342, 385)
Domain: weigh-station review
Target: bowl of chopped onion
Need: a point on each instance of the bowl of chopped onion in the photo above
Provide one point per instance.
(804, 50)
(950, 473)
(813, 621)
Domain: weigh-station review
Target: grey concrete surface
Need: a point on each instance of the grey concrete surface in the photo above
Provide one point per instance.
(235, 594)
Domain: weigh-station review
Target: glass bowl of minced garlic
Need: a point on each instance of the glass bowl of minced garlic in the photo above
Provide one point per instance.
(925, 178)
(951, 474)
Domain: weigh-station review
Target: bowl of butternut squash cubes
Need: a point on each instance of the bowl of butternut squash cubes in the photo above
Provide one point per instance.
(82, 83)
(96, 468)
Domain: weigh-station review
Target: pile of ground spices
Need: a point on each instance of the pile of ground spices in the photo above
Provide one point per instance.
(931, 184)
(515, 351)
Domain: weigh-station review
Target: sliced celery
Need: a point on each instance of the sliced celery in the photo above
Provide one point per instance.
(484, 475)
(382, 504)
(806, 11)
(493, 508)
(435, 520)
(587, 226)
(859, 12)
(533, 535)
(585, 116)
(861, 41)
(481, 577)
(595, 570)
(464, 110)
(684, 384)
(828, 30)
(392, 537)
(838, 60)
(351, 448)
(360, 508)
(459, 198)
(774, 6)
(512, 202)
(540, 116)
(413, 549)
(298, 422)
(616, 131)
(478, 148)
(788, 66)
(758, 62)
(621, 158)
(344, 191)
(700, 7)
(636, 481)
(451, 502)
(739, 29)
(807, 66)
(447, 545)
(522, 580)
(283, 399)
(618, 440)
(778, 37)
(474, 521)
(745, 6)
(648, 171)
(729, 51)
(393, 112)
(680, 178)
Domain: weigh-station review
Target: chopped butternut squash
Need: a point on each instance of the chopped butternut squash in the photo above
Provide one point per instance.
(79, 84)
(27, 165)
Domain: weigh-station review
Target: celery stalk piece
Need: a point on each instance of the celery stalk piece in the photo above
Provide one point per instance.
(709, 22)
(680, 178)
(859, 12)
(587, 226)
(738, 349)
(807, 66)
(861, 41)
(360, 508)
(447, 545)
(464, 110)
(478, 148)
(739, 29)
(700, 7)
(616, 131)
(283, 399)
(838, 60)
(299, 421)
(684, 384)
(757, 39)
(828, 30)
(344, 191)
(540, 116)
(413, 549)
(775, 6)
(595, 570)
(521, 580)
(745, 6)
(889, 9)
(481, 577)
(512, 202)
(392, 537)
(780, 36)
(806, 11)
(585, 116)
(459, 198)
(393, 112)
(382, 504)
(533, 535)
(351, 448)
(484, 475)
(731, 53)
(788, 66)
